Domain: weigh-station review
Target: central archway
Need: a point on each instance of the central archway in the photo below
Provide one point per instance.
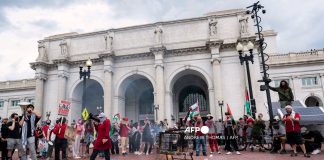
(189, 86)
(136, 98)
(93, 99)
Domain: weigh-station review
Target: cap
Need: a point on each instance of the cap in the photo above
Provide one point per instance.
(250, 120)
(288, 107)
(125, 119)
(23, 103)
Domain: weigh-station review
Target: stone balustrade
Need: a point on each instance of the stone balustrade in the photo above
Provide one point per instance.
(291, 57)
(18, 84)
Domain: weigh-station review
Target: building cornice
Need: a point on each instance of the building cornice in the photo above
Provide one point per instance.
(24, 84)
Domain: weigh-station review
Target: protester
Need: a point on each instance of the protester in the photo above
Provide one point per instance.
(229, 132)
(124, 129)
(313, 140)
(50, 138)
(249, 138)
(39, 143)
(28, 123)
(14, 136)
(60, 142)
(200, 137)
(279, 137)
(220, 131)
(291, 120)
(285, 93)
(147, 137)
(79, 131)
(89, 138)
(212, 134)
(137, 139)
(4, 136)
(130, 139)
(258, 130)
(102, 142)
(114, 139)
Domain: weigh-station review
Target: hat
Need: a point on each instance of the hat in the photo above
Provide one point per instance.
(226, 113)
(303, 129)
(276, 118)
(250, 120)
(209, 115)
(101, 115)
(125, 119)
(288, 107)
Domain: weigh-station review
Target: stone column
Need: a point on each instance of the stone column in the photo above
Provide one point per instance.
(63, 75)
(109, 110)
(39, 95)
(159, 82)
(5, 107)
(322, 82)
(217, 80)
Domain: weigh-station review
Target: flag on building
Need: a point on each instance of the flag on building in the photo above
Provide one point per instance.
(247, 103)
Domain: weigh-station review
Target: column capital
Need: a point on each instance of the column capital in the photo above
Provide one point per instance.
(158, 50)
(40, 76)
(214, 44)
(107, 55)
(63, 74)
(108, 69)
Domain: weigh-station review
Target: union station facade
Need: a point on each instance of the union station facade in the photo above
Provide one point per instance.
(158, 70)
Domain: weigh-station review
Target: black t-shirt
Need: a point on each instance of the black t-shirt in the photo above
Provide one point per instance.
(318, 138)
(16, 133)
(29, 133)
(4, 131)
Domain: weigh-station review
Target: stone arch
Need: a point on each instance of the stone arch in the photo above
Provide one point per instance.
(175, 75)
(134, 94)
(313, 101)
(118, 90)
(94, 98)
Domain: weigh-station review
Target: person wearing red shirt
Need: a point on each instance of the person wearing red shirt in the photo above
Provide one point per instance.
(102, 142)
(45, 128)
(60, 141)
(124, 128)
(291, 120)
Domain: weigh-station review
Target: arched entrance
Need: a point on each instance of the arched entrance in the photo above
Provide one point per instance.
(136, 98)
(93, 99)
(313, 101)
(189, 87)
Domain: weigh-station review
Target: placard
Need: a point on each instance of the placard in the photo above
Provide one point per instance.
(64, 108)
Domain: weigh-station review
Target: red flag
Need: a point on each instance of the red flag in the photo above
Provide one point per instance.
(246, 95)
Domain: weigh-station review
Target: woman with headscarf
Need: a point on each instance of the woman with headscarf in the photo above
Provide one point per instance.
(285, 93)
(102, 142)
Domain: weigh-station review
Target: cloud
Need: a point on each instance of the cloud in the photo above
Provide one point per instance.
(24, 22)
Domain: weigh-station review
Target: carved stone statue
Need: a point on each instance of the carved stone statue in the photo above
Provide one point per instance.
(213, 27)
(42, 56)
(109, 37)
(158, 34)
(64, 49)
(244, 25)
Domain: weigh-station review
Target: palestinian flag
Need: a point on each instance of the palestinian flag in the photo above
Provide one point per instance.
(194, 110)
(229, 111)
(247, 103)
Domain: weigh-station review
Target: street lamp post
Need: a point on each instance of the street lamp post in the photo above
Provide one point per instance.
(220, 104)
(255, 8)
(85, 74)
(156, 108)
(246, 58)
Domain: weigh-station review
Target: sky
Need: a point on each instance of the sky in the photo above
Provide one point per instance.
(299, 23)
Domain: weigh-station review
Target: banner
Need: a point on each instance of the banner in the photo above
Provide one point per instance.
(64, 108)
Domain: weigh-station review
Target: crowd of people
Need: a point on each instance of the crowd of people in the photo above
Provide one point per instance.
(119, 136)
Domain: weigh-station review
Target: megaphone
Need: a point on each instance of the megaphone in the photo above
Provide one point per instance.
(23, 107)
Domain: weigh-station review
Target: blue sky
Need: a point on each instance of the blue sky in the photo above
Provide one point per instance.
(299, 23)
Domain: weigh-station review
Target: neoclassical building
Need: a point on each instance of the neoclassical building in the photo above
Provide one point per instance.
(158, 70)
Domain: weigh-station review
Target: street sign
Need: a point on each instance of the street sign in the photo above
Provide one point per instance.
(85, 114)
(64, 108)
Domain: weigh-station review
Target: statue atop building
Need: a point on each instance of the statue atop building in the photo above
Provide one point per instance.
(109, 37)
(158, 35)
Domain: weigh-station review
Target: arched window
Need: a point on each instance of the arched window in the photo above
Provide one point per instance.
(189, 96)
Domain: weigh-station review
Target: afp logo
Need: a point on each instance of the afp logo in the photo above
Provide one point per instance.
(203, 129)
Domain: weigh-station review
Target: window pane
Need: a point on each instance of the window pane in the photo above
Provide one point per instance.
(1, 103)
